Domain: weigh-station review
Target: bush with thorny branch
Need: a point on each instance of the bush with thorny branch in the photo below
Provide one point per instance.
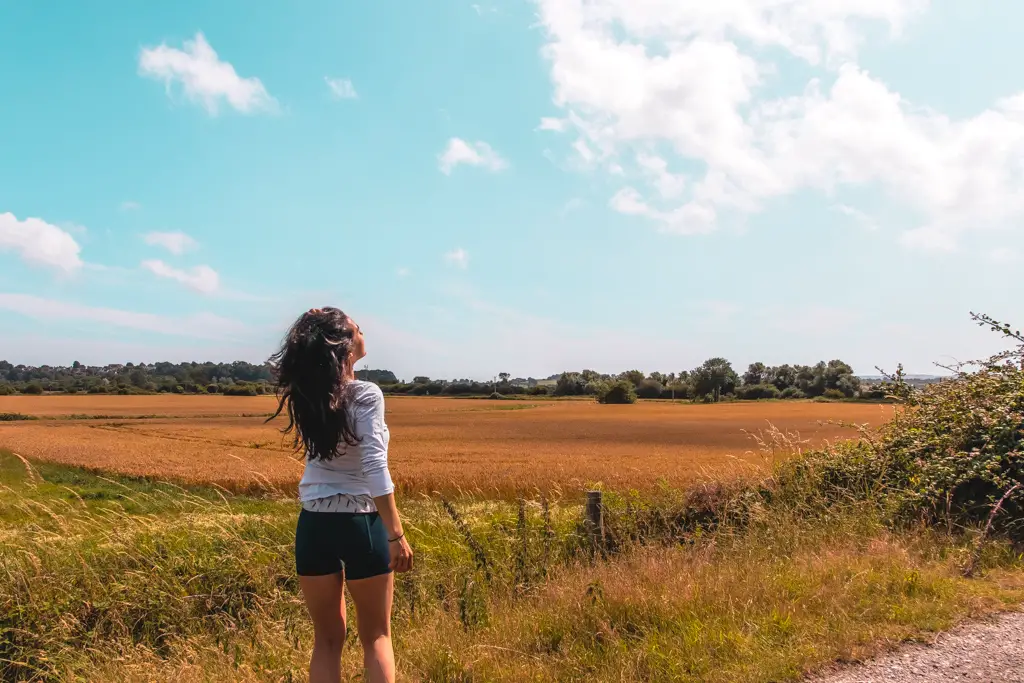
(953, 449)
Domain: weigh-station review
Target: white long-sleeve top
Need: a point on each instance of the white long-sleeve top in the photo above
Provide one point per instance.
(357, 471)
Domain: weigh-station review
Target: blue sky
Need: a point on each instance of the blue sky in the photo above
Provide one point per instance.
(522, 186)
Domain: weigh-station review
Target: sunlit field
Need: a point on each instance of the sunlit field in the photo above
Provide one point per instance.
(438, 444)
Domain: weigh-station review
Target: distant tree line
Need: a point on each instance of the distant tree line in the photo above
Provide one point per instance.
(237, 378)
(713, 380)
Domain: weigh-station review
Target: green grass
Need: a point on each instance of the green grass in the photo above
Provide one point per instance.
(116, 578)
(15, 417)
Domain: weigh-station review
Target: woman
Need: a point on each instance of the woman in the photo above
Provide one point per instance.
(349, 531)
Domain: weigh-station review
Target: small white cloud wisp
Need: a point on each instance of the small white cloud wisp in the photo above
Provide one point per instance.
(478, 154)
(341, 88)
(202, 279)
(175, 242)
(200, 325)
(204, 78)
(457, 258)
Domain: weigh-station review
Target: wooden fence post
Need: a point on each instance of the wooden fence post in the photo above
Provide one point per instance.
(595, 520)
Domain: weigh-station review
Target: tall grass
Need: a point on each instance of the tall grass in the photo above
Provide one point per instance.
(115, 579)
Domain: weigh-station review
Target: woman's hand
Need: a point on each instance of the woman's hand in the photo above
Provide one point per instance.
(401, 555)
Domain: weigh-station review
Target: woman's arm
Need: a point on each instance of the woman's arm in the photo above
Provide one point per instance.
(401, 552)
(370, 429)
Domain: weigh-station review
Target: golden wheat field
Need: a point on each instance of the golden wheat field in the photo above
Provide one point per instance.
(437, 443)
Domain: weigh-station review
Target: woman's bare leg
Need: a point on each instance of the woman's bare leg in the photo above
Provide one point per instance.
(325, 600)
(372, 598)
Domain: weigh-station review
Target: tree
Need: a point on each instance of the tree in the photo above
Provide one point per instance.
(783, 377)
(650, 388)
(680, 390)
(754, 392)
(715, 377)
(421, 379)
(619, 392)
(838, 376)
(570, 384)
(138, 377)
(504, 377)
(633, 376)
(756, 374)
(810, 380)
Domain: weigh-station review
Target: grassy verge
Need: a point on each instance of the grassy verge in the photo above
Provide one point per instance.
(128, 579)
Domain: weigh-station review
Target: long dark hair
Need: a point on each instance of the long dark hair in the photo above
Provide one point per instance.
(311, 385)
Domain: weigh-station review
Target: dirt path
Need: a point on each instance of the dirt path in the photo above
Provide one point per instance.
(986, 652)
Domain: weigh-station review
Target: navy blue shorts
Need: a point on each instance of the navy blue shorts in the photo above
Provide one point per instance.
(331, 542)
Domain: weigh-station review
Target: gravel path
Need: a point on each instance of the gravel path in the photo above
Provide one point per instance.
(987, 652)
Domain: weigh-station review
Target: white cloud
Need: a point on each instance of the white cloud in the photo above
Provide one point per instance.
(40, 243)
(341, 88)
(858, 216)
(202, 325)
(1003, 255)
(690, 78)
(403, 272)
(203, 279)
(129, 205)
(689, 219)
(204, 78)
(175, 242)
(553, 124)
(669, 185)
(480, 154)
(458, 258)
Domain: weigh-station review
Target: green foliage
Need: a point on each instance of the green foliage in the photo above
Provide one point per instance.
(570, 384)
(620, 392)
(138, 378)
(792, 393)
(757, 373)
(241, 390)
(715, 377)
(678, 391)
(755, 392)
(634, 377)
(33, 389)
(650, 388)
(377, 376)
(953, 450)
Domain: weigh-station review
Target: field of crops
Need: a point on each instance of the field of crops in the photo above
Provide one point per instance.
(496, 448)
